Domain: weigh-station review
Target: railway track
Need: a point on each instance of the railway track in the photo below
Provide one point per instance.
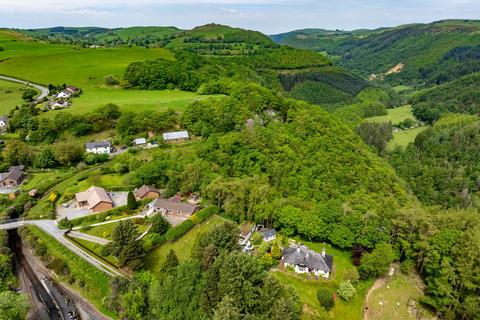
(79, 302)
(35, 314)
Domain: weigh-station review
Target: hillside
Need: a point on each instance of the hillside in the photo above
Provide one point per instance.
(431, 53)
(460, 96)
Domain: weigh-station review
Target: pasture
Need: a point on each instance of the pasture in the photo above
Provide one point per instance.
(10, 95)
(395, 115)
(403, 138)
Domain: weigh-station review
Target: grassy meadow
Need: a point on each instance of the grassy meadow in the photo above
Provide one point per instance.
(395, 115)
(85, 68)
(10, 95)
(403, 138)
(105, 230)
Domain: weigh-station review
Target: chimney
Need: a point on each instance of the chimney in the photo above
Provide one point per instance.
(323, 252)
(306, 256)
(298, 249)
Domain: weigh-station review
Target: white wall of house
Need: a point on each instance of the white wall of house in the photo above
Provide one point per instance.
(103, 150)
(299, 269)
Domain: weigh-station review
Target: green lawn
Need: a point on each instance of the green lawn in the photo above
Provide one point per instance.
(403, 138)
(307, 289)
(105, 230)
(10, 96)
(395, 115)
(42, 180)
(182, 247)
(394, 297)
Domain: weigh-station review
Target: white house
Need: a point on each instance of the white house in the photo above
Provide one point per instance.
(63, 95)
(101, 147)
(268, 234)
(57, 105)
(3, 123)
(304, 260)
(140, 141)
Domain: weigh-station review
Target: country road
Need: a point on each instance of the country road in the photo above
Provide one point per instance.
(44, 91)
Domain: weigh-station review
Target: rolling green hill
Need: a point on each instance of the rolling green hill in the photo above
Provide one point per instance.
(431, 53)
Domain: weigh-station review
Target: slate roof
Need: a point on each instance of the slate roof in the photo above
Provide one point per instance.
(182, 207)
(93, 196)
(301, 255)
(97, 144)
(14, 173)
(175, 135)
(267, 233)
(138, 141)
(143, 190)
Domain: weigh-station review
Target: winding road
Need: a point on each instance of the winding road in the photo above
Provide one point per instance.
(44, 91)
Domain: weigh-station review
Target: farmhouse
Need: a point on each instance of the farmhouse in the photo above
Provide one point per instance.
(147, 192)
(175, 137)
(3, 123)
(95, 199)
(63, 94)
(13, 177)
(304, 260)
(246, 229)
(72, 89)
(168, 207)
(101, 147)
(268, 234)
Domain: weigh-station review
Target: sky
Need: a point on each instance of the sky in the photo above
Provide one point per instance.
(267, 16)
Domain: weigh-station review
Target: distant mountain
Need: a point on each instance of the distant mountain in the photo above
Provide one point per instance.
(424, 54)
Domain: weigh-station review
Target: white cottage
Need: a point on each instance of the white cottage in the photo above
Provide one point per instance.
(101, 147)
(304, 260)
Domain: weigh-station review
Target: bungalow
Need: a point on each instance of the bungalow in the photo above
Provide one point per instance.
(168, 207)
(304, 260)
(268, 234)
(146, 192)
(175, 137)
(95, 199)
(59, 104)
(13, 178)
(3, 123)
(140, 141)
(101, 147)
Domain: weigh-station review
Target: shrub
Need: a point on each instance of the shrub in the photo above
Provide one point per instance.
(207, 212)
(325, 297)
(111, 80)
(180, 230)
(257, 238)
(346, 291)
(351, 275)
(65, 223)
(131, 201)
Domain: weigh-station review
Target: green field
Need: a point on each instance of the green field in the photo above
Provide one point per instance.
(403, 138)
(395, 115)
(182, 247)
(105, 230)
(10, 96)
(86, 68)
(95, 250)
(307, 289)
(390, 302)
(130, 100)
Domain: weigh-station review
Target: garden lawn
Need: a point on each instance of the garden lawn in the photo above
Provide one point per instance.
(96, 282)
(182, 247)
(399, 289)
(403, 138)
(395, 115)
(10, 96)
(42, 180)
(105, 230)
(307, 289)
